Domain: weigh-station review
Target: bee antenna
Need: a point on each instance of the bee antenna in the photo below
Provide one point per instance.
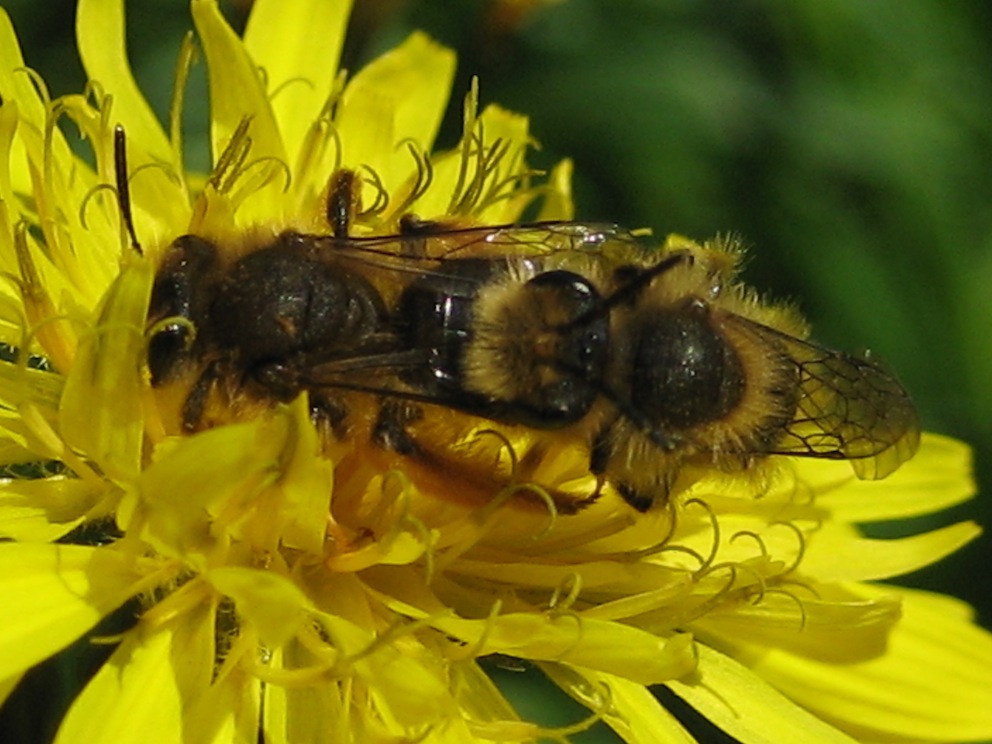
(123, 192)
(629, 290)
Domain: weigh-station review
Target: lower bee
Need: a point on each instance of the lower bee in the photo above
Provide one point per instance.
(655, 363)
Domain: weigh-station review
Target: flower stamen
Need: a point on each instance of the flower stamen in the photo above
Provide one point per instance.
(801, 552)
(315, 141)
(231, 159)
(476, 649)
(795, 598)
(754, 536)
(421, 180)
(184, 63)
(566, 594)
(714, 531)
(381, 201)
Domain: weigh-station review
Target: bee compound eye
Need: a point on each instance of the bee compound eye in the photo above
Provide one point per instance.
(181, 290)
(570, 347)
(566, 303)
(166, 351)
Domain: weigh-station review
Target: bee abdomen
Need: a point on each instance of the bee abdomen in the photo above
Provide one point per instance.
(683, 372)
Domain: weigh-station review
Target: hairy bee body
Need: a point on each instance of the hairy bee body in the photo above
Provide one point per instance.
(649, 361)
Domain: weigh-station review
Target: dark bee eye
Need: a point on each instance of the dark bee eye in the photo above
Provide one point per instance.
(683, 372)
(181, 290)
(569, 347)
(570, 301)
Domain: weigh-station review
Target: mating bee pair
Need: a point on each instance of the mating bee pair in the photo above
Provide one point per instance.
(649, 360)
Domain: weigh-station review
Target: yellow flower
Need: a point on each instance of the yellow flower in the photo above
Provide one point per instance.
(295, 586)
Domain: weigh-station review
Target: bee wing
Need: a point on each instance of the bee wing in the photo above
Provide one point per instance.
(375, 374)
(848, 408)
(539, 238)
(437, 241)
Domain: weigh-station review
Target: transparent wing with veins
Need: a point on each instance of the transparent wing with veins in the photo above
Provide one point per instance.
(439, 242)
(848, 408)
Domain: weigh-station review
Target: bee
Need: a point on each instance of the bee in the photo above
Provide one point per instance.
(655, 363)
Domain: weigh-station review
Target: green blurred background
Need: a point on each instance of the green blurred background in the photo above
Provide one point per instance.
(849, 142)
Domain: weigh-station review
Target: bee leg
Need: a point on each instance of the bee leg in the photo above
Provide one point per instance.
(636, 499)
(390, 430)
(196, 401)
(575, 506)
(329, 414)
(280, 378)
(343, 202)
(600, 453)
(601, 450)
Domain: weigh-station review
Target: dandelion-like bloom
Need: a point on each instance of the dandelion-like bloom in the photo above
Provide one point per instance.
(294, 585)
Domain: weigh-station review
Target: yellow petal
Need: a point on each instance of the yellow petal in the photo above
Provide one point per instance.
(259, 481)
(938, 476)
(605, 575)
(271, 603)
(406, 682)
(14, 448)
(295, 713)
(557, 203)
(617, 648)
(226, 711)
(44, 509)
(100, 413)
(745, 706)
(45, 284)
(933, 684)
(15, 84)
(394, 691)
(305, 483)
(15, 177)
(478, 696)
(840, 630)
(158, 207)
(627, 707)
(390, 696)
(400, 96)
(159, 686)
(237, 95)
(40, 165)
(7, 686)
(136, 696)
(837, 555)
(609, 647)
(52, 595)
(18, 384)
(100, 36)
(300, 73)
(220, 474)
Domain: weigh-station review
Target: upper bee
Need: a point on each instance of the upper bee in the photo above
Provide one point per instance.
(656, 363)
